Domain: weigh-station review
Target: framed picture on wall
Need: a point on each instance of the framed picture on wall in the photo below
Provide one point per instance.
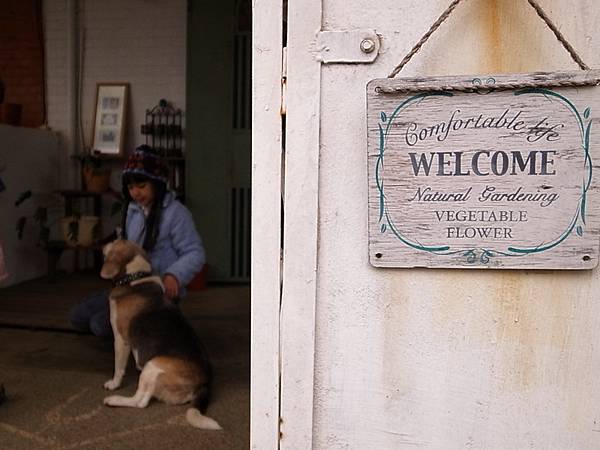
(109, 119)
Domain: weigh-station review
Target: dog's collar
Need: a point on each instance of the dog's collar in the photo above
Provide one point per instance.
(129, 277)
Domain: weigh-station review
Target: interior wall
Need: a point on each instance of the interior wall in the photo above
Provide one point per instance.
(444, 359)
(140, 42)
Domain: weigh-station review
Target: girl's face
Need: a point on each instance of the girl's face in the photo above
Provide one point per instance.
(142, 193)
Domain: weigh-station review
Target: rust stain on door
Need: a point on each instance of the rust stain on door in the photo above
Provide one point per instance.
(512, 35)
(490, 19)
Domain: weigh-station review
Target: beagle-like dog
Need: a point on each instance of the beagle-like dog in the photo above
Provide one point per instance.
(174, 366)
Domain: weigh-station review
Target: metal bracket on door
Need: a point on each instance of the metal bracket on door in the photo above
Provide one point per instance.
(348, 47)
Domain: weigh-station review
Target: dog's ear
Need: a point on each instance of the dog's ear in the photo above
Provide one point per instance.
(110, 269)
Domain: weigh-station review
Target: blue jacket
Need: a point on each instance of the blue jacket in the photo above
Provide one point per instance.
(178, 249)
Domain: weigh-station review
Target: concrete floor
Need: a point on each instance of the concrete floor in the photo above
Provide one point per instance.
(54, 379)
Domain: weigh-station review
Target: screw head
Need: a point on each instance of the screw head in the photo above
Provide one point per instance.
(367, 45)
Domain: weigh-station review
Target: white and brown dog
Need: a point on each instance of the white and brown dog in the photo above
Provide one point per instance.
(175, 367)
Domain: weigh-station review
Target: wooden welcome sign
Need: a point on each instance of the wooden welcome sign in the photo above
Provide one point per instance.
(504, 177)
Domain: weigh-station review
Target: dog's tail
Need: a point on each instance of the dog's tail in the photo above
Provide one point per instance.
(195, 416)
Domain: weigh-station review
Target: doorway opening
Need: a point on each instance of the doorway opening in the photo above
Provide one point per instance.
(219, 133)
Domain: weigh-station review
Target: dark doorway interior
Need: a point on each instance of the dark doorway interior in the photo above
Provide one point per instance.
(219, 133)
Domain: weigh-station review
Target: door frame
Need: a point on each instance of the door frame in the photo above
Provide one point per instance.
(284, 282)
(300, 244)
(265, 278)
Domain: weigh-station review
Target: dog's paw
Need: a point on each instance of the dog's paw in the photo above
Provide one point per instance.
(111, 400)
(112, 384)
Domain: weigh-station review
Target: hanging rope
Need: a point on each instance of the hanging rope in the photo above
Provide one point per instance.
(451, 8)
(503, 86)
(425, 37)
(559, 36)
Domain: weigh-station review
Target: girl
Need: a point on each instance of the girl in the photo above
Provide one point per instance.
(158, 222)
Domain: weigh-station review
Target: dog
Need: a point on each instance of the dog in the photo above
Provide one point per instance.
(174, 366)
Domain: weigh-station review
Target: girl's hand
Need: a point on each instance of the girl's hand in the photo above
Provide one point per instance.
(171, 286)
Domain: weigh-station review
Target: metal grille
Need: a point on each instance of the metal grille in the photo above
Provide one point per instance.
(242, 88)
(240, 233)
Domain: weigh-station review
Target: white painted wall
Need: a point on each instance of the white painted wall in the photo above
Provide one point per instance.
(440, 359)
(141, 42)
(60, 87)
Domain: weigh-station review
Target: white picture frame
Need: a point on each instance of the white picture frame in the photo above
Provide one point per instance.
(109, 119)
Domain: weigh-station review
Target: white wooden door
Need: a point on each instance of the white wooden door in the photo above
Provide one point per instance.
(375, 358)
(267, 51)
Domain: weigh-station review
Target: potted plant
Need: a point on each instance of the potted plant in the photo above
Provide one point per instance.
(95, 173)
(40, 217)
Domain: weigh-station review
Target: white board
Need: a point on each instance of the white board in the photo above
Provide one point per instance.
(499, 178)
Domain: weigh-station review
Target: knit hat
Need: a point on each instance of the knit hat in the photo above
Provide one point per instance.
(144, 161)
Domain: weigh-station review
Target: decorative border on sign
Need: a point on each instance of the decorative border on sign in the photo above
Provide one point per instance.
(483, 255)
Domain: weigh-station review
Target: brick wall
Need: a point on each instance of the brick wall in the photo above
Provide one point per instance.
(22, 58)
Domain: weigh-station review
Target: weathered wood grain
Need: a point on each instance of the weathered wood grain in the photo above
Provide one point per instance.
(493, 179)
(266, 227)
